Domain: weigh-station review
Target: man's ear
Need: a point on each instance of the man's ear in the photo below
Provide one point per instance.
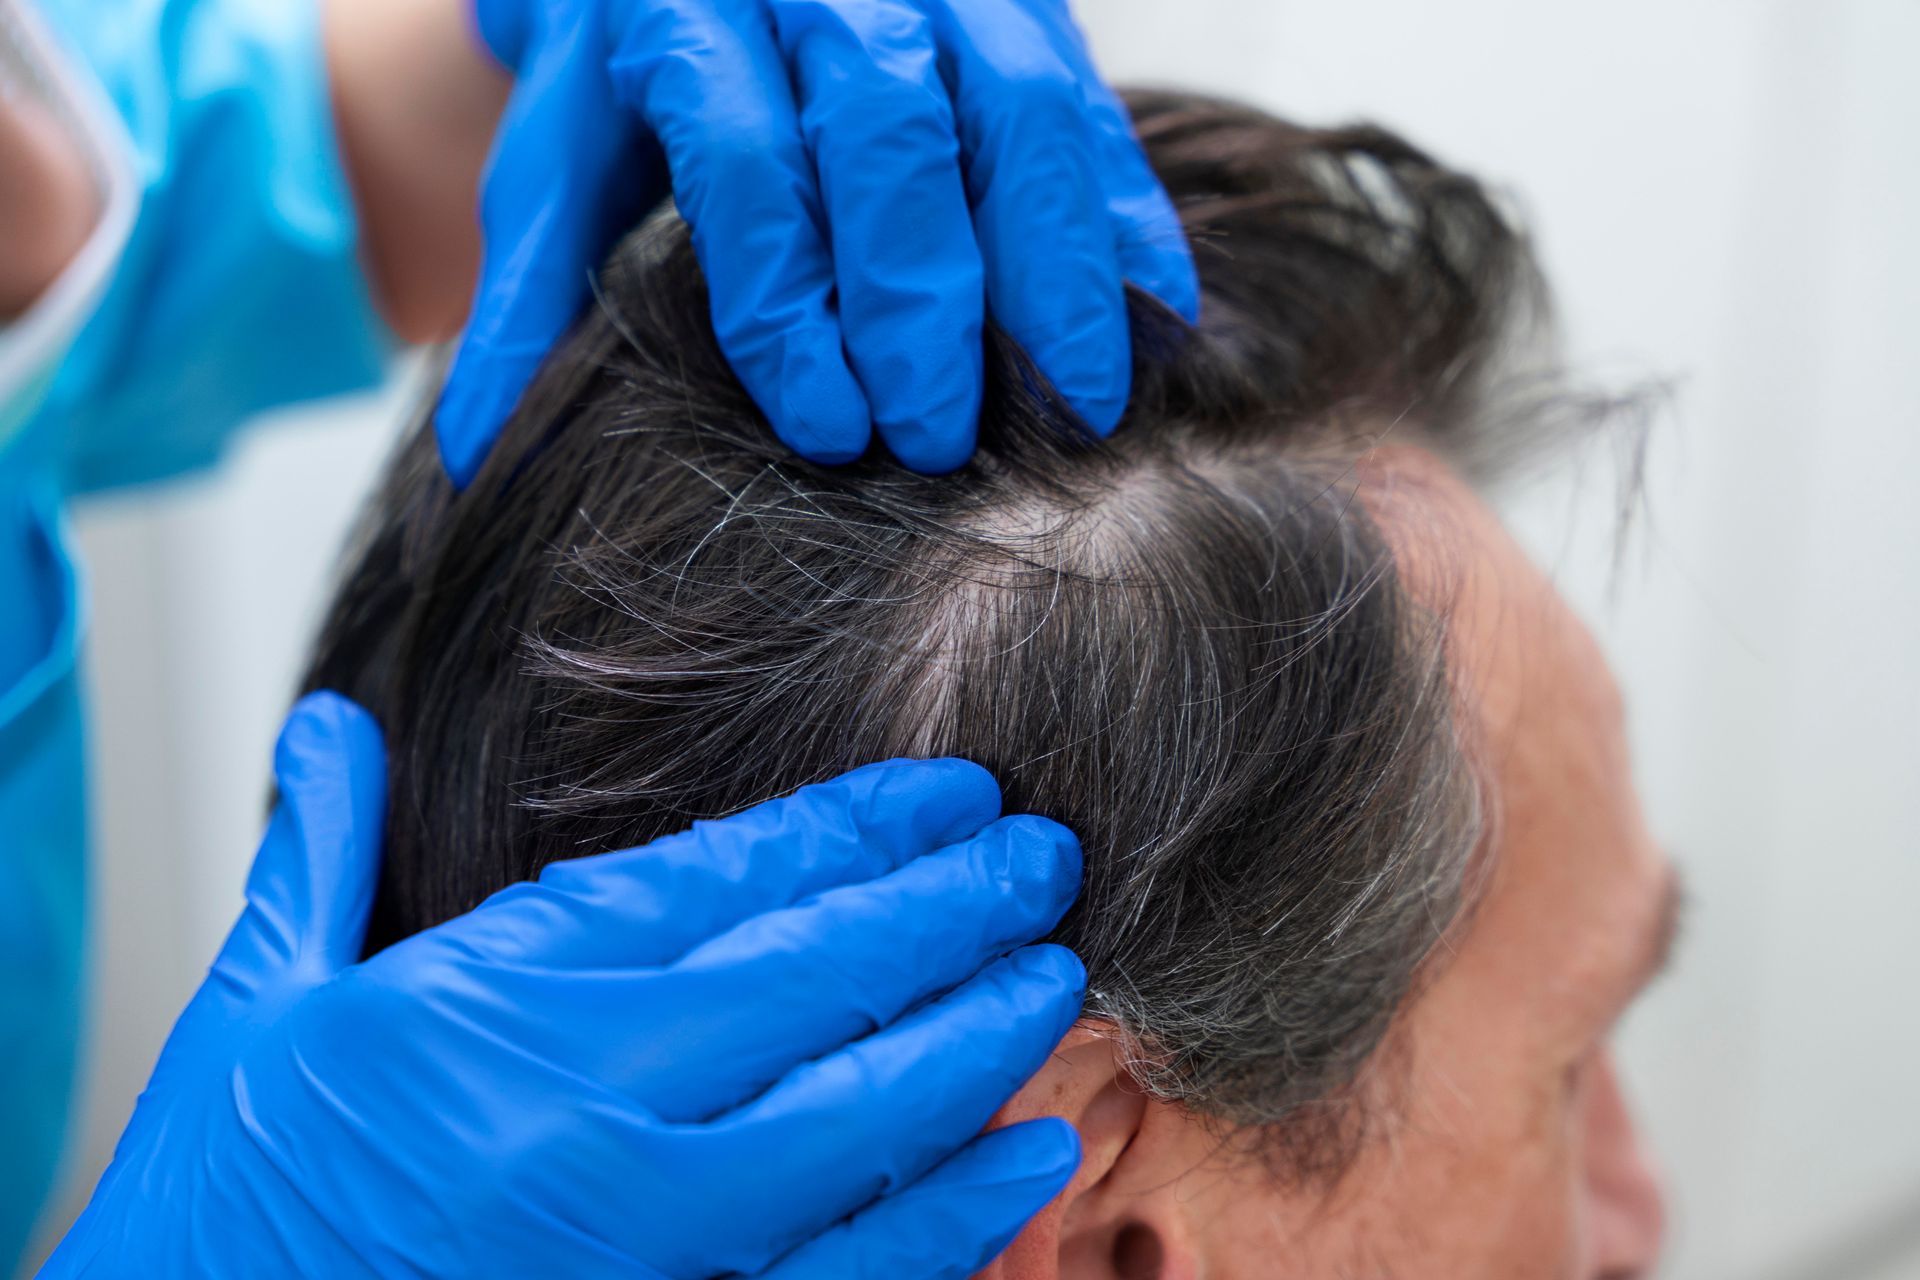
(1119, 1218)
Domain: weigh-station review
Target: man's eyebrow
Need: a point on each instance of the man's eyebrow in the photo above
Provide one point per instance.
(1663, 935)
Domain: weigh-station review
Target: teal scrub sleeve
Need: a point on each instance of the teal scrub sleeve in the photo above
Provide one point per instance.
(42, 838)
(239, 288)
(236, 289)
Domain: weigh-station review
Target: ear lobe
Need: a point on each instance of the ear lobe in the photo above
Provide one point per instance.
(1110, 1223)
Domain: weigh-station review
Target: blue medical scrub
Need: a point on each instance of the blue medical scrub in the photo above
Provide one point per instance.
(238, 290)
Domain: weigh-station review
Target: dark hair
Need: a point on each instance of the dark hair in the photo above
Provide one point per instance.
(1187, 642)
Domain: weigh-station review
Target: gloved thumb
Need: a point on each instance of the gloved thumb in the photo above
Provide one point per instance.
(567, 178)
(313, 880)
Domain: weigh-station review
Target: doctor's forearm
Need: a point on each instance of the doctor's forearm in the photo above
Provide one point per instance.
(47, 204)
(416, 99)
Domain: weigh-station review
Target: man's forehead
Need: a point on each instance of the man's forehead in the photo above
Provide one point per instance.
(1515, 649)
(1541, 717)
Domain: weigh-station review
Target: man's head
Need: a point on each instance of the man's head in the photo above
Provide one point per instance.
(1314, 721)
(1502, 1144)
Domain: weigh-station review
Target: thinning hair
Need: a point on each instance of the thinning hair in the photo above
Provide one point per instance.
(1187, 642)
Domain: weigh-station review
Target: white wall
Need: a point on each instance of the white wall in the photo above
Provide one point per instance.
(1727, 193)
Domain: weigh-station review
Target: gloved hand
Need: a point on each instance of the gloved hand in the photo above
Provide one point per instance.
(860, 176)
(712, 1054)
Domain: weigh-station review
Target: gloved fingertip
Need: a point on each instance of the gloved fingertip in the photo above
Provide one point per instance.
(1046, 853)
(460, 428)
(826, 420)
(947, 799)
(1055, 974)
(1173, 279)
(1089, 360)
(953, 772)
(1103, 408)
(936, 449)
(955, 1220)
(940, 801)
(1004, 1177)
(962, 775)
(312, 881)
(1155, 254)
(1044, 1152)
(325, 723)
(1187, 302)
(501, 29)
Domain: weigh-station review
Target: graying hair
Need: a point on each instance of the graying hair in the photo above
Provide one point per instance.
(1187, 642)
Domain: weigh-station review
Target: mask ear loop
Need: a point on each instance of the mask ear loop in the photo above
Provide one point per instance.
(34, 67)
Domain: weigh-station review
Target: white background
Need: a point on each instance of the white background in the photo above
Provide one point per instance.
(1726, 195)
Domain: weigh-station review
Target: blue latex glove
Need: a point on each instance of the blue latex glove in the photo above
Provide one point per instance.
(861, 176)
(714, 1054)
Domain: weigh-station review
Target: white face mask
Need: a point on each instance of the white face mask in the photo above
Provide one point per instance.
(32, 65)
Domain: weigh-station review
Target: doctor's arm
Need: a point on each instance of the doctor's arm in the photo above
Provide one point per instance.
(416, 101)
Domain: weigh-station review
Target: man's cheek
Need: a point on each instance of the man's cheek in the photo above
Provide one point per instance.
(1502, 1202)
